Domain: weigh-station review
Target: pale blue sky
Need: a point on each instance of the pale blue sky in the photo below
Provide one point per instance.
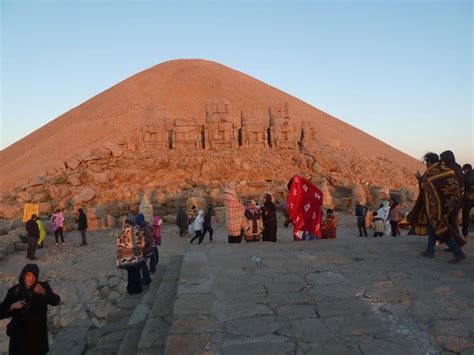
(399, 70)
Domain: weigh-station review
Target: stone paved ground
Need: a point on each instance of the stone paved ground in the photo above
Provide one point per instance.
(346, 296)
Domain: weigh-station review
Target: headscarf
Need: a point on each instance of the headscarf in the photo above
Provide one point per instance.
(33, 268)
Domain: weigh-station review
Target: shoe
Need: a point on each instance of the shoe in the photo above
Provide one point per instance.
(64, 243)
(57, 244)
(457, 259)
(426, 254)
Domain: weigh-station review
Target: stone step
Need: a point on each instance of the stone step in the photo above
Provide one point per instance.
(122, 321)
(155, 333)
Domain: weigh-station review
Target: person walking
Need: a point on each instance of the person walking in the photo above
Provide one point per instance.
(438, 199)
(82, 225)
(198, 226)
(58, 226)
(378, 224)
(33, 236)
(42, 233)
(182, 222)
(27, 305)
(395, 215)
(208, 224)
(360, 212)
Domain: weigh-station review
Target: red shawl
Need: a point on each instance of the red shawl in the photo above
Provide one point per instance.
(304, 204)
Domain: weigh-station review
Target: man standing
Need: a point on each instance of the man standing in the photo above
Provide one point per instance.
(360, 212)
(33, 235)
(468, 198)
(82, 225)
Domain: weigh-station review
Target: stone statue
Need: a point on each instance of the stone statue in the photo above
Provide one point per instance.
(282, 131)
(254, 130)
(308, 134)
(219, 131)
(187, 134)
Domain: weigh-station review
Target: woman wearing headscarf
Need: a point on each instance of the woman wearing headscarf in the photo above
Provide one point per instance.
(27, 304)
(382, 213)
(395, 215)
(269, 219)
(253, 224)
(233, 212)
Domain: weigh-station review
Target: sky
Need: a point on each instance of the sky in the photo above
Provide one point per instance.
(401, 71)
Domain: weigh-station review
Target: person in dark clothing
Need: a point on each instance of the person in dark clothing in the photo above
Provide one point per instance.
(33, 235)
(27, 304)
(450, 161)
(269, 219)
(82, 225)
(360, 212)
(207, 227)
(147, 231)
(182, 222)
(468, 198)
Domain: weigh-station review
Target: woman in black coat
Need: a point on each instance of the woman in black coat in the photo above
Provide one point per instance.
(269, 219)
(27, 305)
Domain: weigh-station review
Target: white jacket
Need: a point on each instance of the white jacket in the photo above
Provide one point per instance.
(199, 221)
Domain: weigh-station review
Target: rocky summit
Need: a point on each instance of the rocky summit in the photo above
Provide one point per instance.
(183, 129)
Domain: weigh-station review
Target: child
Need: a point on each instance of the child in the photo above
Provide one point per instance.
(155, 257)
(378, 224)
(329, 225)
(198, 227)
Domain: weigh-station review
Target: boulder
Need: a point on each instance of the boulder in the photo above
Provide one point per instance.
(199, 202)
(114, 148)
(358, 194)
(85, 195)
(169, 219)
(146, 208)
(100, 177)
(45, 208)
(219, 214)
(37, 181)
(24, 196)
(9, 211)
(72, 164)
(74, 180)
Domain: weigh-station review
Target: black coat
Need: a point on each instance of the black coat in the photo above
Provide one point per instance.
(32, 229)
(28, 329)
(82, 222)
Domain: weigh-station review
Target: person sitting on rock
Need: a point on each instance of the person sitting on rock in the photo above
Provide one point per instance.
(27, 304)
(378, 224)
(329, 226)
(253, 224)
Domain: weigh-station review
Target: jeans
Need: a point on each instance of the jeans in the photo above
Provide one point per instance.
(154, 259)
(208, 228)
(198, 235)
(59, 233)
(146, 279)
(430, 248)
(361, 225)
(30, 253)
(395, 229)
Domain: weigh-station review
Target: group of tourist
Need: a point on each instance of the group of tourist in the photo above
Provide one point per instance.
(385, 221)
(445, 189)
(195, 224)
(36, 231)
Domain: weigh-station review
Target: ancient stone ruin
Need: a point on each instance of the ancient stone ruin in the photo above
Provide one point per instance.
(220, 130)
